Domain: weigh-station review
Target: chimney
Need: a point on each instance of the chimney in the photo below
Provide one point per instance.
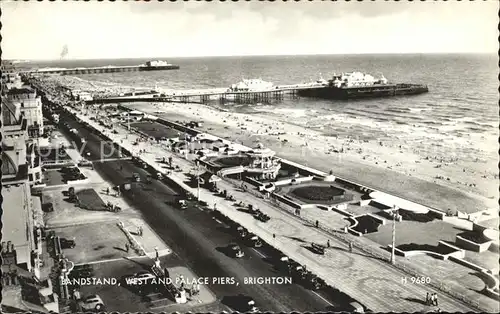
(9, 246)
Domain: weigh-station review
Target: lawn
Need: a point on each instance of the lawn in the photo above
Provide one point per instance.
(89, 199)
(156, 130)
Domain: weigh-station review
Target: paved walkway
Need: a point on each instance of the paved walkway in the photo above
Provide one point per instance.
(372, 282)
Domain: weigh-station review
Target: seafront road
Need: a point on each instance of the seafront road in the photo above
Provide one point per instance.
(199, 241)
(373, 282)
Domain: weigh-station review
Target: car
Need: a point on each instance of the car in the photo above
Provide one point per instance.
(318, 249)
(241, 231)
(253, 241)
(182, 204)
(92, 302)
(236, 251)
(355, 307)
(136, 177)
(67, 244)
(250, 307)
(48, 207)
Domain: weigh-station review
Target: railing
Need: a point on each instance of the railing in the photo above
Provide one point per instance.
(364, 248)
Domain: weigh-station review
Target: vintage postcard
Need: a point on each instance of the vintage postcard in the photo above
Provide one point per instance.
(251, 156)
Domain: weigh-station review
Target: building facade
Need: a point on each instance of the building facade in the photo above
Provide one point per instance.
(29, 105)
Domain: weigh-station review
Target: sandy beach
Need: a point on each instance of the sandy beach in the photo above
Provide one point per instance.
(430, 177)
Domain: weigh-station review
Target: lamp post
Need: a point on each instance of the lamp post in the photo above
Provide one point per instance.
(186, 148)
(198, 181)
(393, 251)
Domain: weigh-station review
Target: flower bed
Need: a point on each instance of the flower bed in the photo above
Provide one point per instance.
(318, 193)
(418, 217)
(366, 224)
(475, 237)
(440, 249)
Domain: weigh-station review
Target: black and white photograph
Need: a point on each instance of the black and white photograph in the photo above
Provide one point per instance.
(249, 156)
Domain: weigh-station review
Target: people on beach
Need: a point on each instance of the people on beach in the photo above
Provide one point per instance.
(435, 301)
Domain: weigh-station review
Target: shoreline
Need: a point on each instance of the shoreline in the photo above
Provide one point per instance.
(432, 176)
(243, 128)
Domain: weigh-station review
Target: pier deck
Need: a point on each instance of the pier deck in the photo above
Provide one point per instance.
(97, 70)
(221, 94)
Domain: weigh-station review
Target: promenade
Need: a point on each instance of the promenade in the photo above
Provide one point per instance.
(373, 282)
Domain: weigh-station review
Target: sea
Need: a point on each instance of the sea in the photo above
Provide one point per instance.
(459, 114)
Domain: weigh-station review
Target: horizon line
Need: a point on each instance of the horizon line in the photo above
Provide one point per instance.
(255, 55)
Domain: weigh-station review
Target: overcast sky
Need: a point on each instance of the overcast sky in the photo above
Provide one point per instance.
(33, 30)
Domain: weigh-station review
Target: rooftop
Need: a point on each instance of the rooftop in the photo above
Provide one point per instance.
(15, 200)
(19, 91)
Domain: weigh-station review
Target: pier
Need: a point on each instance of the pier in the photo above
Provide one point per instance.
(99, 70)
(223, 95)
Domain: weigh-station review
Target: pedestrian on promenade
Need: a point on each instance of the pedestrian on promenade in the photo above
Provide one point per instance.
(274, 236)
(107, 190)
(435, 299)
(140, 231)
(327, 243)
(428, 299)
(317, 224)
(127, 247)
(350, 247)
(76, 294)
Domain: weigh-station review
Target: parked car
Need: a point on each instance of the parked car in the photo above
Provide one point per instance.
(136, 177)
(253, 241)
(48, 207)
(314, 282)
(242, 231)
(236, 251)
(66, 243)
(250, 307)
(355, 307)
(318, 249)
(182, 204)
(92, 302)
(262, 217)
